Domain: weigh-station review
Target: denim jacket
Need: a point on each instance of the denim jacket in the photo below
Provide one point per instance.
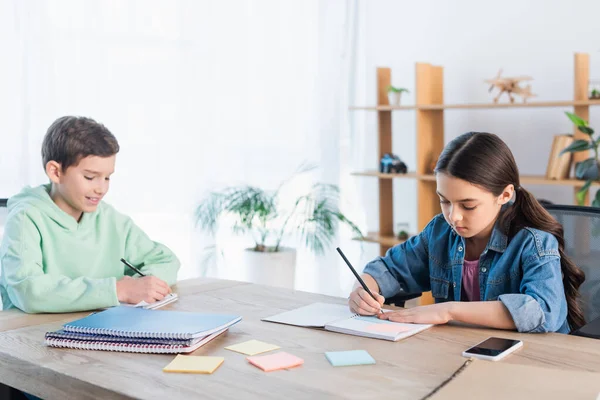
(525, 274)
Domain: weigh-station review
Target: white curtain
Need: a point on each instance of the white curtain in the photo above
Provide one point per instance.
(199, 94)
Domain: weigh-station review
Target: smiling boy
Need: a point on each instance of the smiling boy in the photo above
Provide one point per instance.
(62, 244)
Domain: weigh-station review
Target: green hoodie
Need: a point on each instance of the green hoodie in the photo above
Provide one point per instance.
(51, 263)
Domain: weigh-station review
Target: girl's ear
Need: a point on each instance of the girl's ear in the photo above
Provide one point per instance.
(507, 194)
(54, 171)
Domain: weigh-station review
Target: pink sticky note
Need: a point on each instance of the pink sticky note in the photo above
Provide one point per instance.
(388, 328)
(273, 362)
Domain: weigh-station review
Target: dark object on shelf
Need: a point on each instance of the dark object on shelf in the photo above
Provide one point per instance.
(402, 235)
(391, 163)
(3, 202)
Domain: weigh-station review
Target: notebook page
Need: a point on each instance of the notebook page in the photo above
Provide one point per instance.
(370, 326)
(315, 315)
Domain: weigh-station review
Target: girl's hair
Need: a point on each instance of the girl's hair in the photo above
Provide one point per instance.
(483, 159)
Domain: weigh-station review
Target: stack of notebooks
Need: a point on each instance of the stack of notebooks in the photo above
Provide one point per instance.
(139, 330)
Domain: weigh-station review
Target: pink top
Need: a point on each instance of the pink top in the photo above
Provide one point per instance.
(470, 281)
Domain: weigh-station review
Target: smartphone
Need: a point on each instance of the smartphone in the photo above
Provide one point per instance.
(493, 348)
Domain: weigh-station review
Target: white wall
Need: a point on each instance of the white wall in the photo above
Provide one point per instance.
(472, 39)
(200, 94)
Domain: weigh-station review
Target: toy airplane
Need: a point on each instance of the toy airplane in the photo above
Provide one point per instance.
(511, 86)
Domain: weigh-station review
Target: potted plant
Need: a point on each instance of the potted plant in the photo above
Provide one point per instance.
(394, 95)
(588, 169)
(311, 218)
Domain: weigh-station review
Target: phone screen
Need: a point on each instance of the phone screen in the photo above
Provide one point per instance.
(492, 346)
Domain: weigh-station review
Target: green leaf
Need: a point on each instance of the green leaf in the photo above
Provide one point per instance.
(586, 129)
(584, 166)
(582, 192)
(390, 88)
(578, 145)
(575, 119)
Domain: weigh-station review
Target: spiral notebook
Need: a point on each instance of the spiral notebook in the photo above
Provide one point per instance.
(62, 334)
(129, 345)
(339, 318)
(136, 322)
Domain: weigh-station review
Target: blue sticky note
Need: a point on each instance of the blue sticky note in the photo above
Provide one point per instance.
(346, 358)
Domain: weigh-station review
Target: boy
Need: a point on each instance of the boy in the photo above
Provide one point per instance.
(62, 245)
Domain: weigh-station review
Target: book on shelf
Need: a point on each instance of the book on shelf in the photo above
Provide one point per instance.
(559, 166)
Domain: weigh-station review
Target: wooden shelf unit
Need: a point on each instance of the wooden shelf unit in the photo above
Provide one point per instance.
(429, 108)
(539, 104)
(525, 179)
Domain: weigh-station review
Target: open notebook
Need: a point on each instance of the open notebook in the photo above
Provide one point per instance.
(338, 318)
(168, 299)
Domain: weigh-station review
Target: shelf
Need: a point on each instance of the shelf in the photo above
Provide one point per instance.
(430, 107)
(374, 237)
(409, 175)
(525, 179)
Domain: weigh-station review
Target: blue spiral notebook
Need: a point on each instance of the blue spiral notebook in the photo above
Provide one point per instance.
(142, 323)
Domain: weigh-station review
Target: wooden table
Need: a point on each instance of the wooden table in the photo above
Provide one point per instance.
(407, 369)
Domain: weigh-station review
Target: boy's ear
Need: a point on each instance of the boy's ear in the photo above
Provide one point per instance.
(507, 194)
(54, 171)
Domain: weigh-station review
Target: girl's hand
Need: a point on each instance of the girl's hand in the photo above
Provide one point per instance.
(431, 314)
(362, 303)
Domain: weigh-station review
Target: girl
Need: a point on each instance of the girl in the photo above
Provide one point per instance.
(494, 258)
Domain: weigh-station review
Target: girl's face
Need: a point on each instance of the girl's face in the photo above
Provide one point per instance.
(469, 209)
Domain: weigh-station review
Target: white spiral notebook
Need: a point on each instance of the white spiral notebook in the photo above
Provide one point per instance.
(130, 346)
(339, 318)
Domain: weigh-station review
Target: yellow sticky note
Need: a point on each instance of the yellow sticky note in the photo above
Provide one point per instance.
(252, 347)
(194, 364)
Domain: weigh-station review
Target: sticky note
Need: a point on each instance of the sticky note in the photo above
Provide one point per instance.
(194, 364)
(252, 347)
(272, 362)
(388, 328)
(352, 357)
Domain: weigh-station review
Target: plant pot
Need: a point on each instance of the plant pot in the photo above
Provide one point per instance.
(270, 268)
(592, 172)
(394, 98)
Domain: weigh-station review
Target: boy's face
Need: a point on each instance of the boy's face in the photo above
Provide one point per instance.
(81, 187)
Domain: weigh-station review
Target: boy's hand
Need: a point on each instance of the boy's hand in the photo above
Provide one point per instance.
(362, 303)
(148, 288)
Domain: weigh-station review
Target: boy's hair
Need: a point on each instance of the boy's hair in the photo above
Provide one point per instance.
(483, 159)
(69, 139)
